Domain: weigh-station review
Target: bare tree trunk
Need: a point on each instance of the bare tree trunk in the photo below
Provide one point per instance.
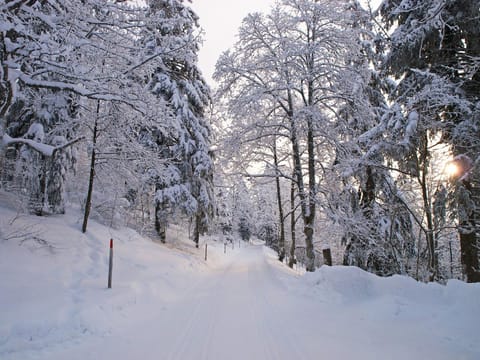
(327, 256)
(281, 242)
(310, 218)
(306, 201)
(196, 231)
(160, 222)
(307, 214)
(88, 202)
(469, 241)
(427, 206)
(292, 259)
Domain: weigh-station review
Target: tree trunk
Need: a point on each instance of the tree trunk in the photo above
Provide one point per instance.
(281, 241)
(308, 212)
(160, 222)
(55, 187)
(292, 259)
(469, 242)
(196, 231)
(88, 202)
(310, 218)
(327, 257)
(301, 190)
(307, 215)
(36, 199)
(469, 254)
(427, 207)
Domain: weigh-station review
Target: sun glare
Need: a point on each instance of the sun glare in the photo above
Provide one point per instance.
(451, 169)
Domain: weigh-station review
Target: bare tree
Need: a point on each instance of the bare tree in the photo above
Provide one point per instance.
(290, 61)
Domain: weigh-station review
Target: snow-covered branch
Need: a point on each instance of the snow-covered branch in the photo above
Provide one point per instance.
(44, 149)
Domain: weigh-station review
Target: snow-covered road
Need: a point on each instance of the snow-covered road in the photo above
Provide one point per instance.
(239, 311)
(247, 309)
(168, 303)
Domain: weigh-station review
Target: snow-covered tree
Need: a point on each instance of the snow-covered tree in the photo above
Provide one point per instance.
(33, 98)
(243, 210)
(291, 60)
(362, 198)
(224, 209)
(267, 221)
(55, 57)
(187, 184)
(104, 65)
(434, 53)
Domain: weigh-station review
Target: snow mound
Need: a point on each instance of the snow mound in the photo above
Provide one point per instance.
(351, 283)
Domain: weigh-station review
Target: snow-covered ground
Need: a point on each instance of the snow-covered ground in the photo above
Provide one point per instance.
(168, 303)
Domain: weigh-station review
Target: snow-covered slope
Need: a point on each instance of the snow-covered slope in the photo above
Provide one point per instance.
(53, 284)
(168, 303)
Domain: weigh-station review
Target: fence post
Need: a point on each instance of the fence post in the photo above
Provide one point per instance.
(224, 247)
(327, 256)
(206, 246)
(110, 265)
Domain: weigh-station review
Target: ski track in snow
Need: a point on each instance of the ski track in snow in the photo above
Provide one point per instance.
(228, 316)
(276, 321)
(198, 324)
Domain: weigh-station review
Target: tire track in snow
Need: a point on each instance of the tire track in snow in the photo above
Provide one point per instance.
(263, 332)
(228, 317)
(199, 324)
(271, 292)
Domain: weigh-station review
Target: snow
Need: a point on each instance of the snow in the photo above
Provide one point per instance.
(36, 132)
(44, 149)
(411, 125)
(168, 303)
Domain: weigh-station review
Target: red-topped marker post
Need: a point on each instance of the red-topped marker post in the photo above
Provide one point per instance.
(110, 265)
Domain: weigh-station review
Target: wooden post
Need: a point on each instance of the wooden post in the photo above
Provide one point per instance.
(451, 259)
(327, 256)
(224, 247)
(206, 247)
(110, 265)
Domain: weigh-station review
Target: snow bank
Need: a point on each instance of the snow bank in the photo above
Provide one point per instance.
(53, 288)
(353, 284)
(403, 307)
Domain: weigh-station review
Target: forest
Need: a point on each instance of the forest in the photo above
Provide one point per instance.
(335, 133)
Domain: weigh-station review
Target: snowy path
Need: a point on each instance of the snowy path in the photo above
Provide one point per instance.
(245, 310)
(169, 305)
(240, 311)
(233, 318)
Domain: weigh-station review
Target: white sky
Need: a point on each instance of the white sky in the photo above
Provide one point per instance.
(220, 19)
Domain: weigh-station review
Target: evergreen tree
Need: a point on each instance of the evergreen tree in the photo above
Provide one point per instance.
(30, 108)
(434, 53)
(187, 184)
